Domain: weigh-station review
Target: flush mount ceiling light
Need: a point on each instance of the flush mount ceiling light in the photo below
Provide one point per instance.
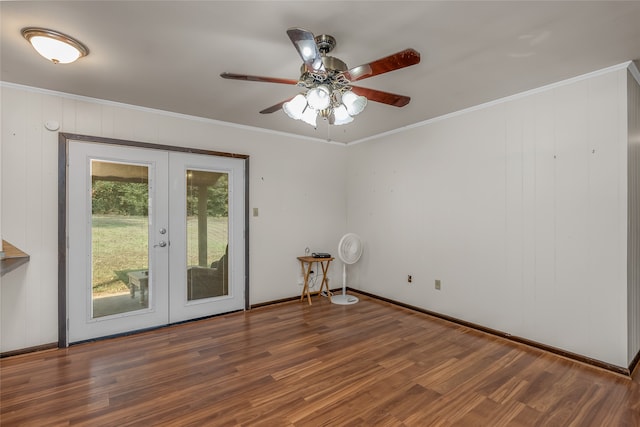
(327, 82)
(56, 47)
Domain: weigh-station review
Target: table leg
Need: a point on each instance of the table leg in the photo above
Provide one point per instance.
(306, 273)
(304, 282)
(143, 294)
(132, 288)
(325, 281)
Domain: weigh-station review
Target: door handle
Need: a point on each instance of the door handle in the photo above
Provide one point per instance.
(161, 243)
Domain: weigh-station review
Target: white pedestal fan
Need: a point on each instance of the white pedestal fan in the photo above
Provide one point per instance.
(349, 251)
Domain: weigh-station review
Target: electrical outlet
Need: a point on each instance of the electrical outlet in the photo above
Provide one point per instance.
(438, 284)
(300, 280)
(409, 278)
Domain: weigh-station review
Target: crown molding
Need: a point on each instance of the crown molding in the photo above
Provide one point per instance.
(624, 65)
(631, 66)
(633, 69)
(161, 112)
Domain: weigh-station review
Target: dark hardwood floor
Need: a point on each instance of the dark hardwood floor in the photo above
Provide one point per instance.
(368, 364)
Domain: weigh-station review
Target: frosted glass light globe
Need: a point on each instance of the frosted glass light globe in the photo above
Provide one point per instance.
(295, 107)
(319, 98)
(354, 103)
(56, 47)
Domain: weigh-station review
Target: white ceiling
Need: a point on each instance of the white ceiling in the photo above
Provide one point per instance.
(168, 55)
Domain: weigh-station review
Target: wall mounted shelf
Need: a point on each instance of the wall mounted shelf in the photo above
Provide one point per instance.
(12, 259)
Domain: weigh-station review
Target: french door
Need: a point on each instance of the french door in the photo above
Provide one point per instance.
(154, 237)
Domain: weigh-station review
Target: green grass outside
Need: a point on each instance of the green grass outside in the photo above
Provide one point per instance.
(120, 246)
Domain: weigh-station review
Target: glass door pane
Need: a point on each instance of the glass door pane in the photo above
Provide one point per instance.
(207, 223)
(119, 237)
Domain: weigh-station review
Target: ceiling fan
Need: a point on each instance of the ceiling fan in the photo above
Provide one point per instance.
(327, 81)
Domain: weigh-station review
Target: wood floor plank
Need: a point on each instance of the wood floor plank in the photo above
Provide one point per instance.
(291, 364)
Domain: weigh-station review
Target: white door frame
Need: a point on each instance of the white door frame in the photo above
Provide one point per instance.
(63, 204)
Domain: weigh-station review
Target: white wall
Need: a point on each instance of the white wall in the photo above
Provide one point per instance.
(293, 213)
(519, 208)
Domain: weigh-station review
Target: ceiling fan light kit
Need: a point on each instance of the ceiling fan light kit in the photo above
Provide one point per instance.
(329, 93)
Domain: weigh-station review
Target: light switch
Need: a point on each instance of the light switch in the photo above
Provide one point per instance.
(255, 211)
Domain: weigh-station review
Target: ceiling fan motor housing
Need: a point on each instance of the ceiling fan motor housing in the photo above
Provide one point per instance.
(331, 64)
(326, 43)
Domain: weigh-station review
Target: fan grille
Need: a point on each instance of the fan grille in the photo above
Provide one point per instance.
(350, 248)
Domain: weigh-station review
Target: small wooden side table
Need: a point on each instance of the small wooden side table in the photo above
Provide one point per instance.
(306, 272)
(139, 279)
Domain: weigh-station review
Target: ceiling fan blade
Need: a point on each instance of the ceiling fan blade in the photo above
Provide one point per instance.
(305, 44)
(382, 97)
(393, 62)
(274, 108)
(258, 78)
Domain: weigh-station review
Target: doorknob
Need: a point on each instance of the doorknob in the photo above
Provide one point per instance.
(163, 231)
(161, 243)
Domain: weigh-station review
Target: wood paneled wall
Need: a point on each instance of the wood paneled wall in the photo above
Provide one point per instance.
(519, 208)
(293, 213)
